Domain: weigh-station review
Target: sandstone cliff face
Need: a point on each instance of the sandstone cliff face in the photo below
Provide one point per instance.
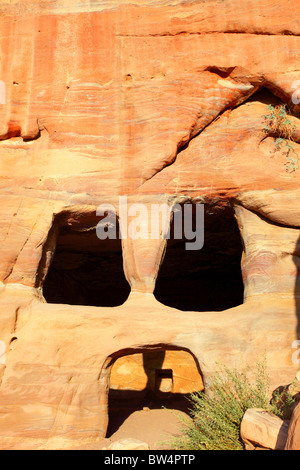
(161, 102)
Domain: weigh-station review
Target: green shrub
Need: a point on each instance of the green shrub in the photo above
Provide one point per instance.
(278, 123)
(217, 416)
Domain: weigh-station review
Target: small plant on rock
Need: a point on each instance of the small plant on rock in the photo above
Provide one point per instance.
(279, 124)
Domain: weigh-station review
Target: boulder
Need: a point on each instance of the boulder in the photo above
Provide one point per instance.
(260, 428)
(294, 387)
(293, 437)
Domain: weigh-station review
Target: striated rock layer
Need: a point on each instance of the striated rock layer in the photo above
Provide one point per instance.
(157, 102)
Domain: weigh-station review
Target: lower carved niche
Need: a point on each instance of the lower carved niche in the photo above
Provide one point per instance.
(155, 379)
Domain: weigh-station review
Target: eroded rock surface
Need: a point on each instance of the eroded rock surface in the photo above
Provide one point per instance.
(262, 429)
(161, 102)
(293, 437)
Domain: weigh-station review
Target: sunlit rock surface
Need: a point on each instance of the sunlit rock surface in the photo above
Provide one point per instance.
(161, 102)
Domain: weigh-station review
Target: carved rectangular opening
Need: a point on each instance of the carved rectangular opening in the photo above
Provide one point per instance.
(164, 380)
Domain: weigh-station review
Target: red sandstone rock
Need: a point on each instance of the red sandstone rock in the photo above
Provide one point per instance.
(293, 439)
(262, 429)
(160, 103)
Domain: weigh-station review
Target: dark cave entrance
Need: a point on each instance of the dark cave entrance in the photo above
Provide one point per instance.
(209, 279)
(84, 269)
